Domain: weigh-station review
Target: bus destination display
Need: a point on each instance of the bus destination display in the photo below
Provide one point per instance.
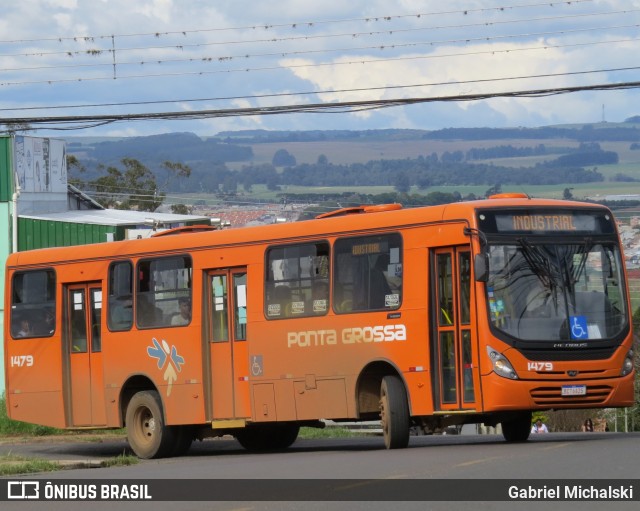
(545, 221)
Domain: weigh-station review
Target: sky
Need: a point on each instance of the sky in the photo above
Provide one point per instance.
(67, 58)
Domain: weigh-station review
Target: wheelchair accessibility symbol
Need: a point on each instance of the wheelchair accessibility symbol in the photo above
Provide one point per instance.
(579, 327)
(256, 365)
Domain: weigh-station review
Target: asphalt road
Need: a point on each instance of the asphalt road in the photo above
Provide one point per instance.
(461, 459)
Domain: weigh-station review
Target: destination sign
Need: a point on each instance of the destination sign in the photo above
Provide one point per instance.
(541, 223)
(368, 248)
(546, 222)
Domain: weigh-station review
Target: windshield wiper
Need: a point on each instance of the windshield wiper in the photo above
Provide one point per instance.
(539, 264)
(577, 269)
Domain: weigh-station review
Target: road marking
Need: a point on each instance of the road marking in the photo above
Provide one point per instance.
(475, 462)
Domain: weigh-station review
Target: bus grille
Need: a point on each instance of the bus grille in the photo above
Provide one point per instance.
(552, 396)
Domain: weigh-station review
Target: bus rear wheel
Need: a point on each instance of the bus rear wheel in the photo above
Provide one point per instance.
(518, 428)
(394, 413)
(149, 437)
(267, 437)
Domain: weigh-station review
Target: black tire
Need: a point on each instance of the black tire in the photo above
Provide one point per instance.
(268, 437)
(518, 428)
(183, 439)
(394, 413)
(147, 433)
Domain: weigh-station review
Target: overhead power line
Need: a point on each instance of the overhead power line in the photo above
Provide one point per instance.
(109, 49)
(326, 91)
(86, 121)
(296, 24)
(325, 64)
(295, 53)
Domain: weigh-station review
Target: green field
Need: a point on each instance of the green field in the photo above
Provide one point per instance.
(354, 151)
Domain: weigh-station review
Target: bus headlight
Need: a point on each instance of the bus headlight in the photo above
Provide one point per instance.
(501, 364)
(627, 365)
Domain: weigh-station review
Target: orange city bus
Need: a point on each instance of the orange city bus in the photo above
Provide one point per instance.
(473, 312)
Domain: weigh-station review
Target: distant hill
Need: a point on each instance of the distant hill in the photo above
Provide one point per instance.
(155, 149)
(583, 133)
(400, 158)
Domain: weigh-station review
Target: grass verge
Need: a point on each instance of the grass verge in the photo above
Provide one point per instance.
(311, 433)
(123, 460)
(11, 464)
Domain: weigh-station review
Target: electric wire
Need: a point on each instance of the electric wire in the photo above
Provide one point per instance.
(82, 122)
(284, 54)
(267, 26)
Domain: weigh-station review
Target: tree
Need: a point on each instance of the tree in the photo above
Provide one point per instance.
(180, 209)
(282, 158)
(566, 194)
(11, 128)
(74, 168)
(134, 187)
(402, 182)
(174, 170)
(495, 189)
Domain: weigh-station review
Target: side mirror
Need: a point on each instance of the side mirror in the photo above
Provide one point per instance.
(481, 267)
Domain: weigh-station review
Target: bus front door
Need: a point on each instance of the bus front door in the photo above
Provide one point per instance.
(226, 345)
(83, 355)
(455, 350)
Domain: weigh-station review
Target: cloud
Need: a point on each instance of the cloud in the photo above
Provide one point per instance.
(154, 9)
(61, 52)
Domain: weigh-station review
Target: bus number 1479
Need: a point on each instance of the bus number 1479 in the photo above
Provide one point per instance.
(22, 361)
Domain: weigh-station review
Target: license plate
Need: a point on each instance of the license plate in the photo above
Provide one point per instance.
(574, 390)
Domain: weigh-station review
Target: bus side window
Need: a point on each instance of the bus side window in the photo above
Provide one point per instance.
(282, 297)
(378, 285)
(33, 304)
(342, 298)
(120, 313)
(368, 273)
(162, 283)
(297, 280)
(320, 297)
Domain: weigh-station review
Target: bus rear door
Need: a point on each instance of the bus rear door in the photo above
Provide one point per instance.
(227, 368)
(455, 349)
(83, 355)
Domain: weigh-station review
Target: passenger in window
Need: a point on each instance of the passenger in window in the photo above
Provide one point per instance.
(48, 324)
(25, 329)
(378, 285)
(183, 317)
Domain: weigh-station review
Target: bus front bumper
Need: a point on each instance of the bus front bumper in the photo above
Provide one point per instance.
(501, 394)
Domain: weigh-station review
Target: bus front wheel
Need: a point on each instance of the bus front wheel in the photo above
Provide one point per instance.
(518, 428)
(394, 413)
(149, 437)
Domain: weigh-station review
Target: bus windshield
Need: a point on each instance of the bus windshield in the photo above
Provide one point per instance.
(549, 292)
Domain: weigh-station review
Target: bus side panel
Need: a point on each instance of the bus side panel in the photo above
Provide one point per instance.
(112, 411)
(321, 398)
(34, 393)
(177, 374)
(183, 404)
(284, 400)
(419, 392)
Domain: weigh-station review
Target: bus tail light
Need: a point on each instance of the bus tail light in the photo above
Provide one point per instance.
(501, 364)
(627, 365)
